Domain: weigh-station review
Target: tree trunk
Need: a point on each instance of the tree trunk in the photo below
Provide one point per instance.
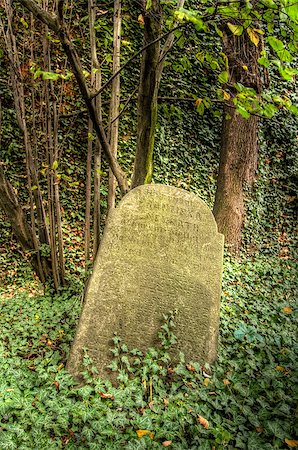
(115, 100)
(22, 230)
(239, 141)
(238, 163)
(147, 97)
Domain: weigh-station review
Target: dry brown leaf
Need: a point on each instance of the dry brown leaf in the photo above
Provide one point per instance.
(226, 381)
(288, 310)
(106, 395)
(291, 442)
(141, 19)
(259, 429)
(166, 443)
(203, 422)
(190, 368)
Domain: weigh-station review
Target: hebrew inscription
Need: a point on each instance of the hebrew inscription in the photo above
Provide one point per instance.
(160, 251)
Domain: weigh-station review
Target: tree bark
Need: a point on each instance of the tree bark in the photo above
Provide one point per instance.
(115, 100)
(147, 96)
(239, 142)
(21, 228)
(238, 164)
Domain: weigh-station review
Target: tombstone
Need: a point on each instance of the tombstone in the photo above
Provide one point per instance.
(160, 251)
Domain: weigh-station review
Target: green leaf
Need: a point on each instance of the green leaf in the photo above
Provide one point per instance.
(275, 43)
(149, 4)
(201, 108)
(244, 113)
(55, 165)
(264, 61)
(237, 30)
(285, 55)
(294, 109)
(287, 73)
(292, 9)
(50, 76)
(223, 77)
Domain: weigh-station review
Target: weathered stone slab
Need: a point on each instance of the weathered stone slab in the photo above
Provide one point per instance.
(160, 251)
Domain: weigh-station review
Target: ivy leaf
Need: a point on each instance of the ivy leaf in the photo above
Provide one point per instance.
(223, 77)
(264, 61)
(275, 43)
(287, 73)
(237, 30)
(50, 76)
(244, 113)
(292, 10)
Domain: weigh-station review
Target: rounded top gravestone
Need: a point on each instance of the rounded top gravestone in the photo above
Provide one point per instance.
(160, 251)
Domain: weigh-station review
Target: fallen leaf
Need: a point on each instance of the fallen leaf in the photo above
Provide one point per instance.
(291, 443)
(206, 382)
(259, 429)
(166, 443)
(141, 19)
(190, 368)
(291, 199)
(106, 395)
(287, 309)
(203, 422)
(225, 381)
(141, 433)
(280, 368)
(57, 385)
(166, 402)
(198, 102)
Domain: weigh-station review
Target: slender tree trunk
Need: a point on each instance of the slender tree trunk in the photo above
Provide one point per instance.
(115, 100)
(147, 96)
(21, 228)
(153, 59)
(239, 142)
(94, 147)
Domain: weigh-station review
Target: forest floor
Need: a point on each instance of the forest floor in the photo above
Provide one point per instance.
(246, 400)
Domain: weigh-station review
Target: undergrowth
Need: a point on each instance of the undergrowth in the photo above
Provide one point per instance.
(246, 401)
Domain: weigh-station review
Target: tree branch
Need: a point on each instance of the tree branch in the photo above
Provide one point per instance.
(75, 63)
(41, 14)
(137, 54)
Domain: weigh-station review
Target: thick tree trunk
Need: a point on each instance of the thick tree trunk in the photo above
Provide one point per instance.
(238, 164)
(147, 97)
(239, 141)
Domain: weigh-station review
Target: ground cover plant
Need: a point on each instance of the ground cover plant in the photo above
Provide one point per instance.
(247, 400)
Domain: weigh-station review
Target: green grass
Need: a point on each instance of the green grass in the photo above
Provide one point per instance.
(249, 400)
